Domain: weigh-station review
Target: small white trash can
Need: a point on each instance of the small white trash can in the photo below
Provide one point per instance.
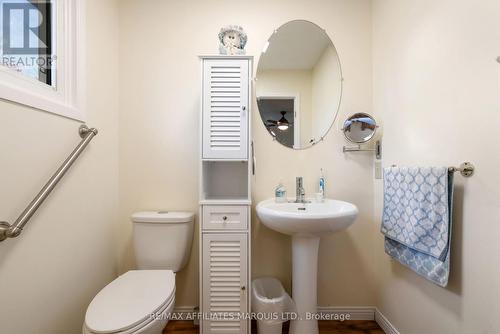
(271, 304)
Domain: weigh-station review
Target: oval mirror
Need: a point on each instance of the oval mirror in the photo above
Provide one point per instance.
(299, 84)
(359, 128)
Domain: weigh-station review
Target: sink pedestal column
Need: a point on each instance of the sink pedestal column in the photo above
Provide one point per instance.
(304, 283)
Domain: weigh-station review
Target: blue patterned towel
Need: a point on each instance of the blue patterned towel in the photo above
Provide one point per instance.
(417, 220)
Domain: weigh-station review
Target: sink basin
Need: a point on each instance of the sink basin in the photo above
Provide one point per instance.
(306, 223)
(309, 219)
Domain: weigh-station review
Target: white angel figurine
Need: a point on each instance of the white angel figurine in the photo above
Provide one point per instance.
(232, 40)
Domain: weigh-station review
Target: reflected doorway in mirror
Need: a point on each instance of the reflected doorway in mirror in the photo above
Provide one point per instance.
(281, 115)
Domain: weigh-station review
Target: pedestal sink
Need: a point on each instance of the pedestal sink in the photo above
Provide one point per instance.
(306, 223)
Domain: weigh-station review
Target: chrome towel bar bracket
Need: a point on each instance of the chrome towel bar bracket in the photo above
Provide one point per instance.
(11, 231)
(466, 169)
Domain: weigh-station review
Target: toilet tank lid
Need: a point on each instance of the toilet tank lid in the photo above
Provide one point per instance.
(163, 217)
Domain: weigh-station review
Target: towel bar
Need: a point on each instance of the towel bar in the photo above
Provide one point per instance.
(11, 231)
(466, 169)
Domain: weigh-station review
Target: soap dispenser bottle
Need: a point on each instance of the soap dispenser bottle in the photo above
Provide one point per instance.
(280, 193)
(321, 189)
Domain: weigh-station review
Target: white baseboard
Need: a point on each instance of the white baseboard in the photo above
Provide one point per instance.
(355, 312)
(384, 323)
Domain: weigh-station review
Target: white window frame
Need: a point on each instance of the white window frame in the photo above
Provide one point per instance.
(67, 97)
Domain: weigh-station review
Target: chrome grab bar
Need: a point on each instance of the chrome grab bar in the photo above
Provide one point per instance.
(11, 231)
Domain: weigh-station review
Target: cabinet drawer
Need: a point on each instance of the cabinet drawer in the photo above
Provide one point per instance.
(222, 217)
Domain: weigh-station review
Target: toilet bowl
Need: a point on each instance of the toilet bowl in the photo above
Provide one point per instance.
(140, 301)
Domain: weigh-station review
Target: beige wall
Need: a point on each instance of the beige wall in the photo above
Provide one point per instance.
(159, 139)
(67, 253)
(436, 89)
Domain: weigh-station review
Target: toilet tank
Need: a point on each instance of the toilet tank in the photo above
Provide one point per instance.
(162, 239)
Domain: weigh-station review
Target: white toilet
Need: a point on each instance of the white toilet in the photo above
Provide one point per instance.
(139, 301)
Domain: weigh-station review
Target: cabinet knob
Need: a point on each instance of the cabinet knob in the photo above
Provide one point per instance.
(243, 288)
(243, 108)
(224, 218)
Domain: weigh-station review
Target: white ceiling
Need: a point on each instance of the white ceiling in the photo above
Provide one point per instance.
(296, 45)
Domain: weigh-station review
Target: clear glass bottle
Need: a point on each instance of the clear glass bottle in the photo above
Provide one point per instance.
(280, 193)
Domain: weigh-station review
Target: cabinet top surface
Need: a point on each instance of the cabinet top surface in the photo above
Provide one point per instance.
(227, 201)
(225, 57)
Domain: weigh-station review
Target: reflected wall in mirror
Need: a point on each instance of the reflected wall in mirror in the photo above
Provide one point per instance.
(359, 128)
(299, 84)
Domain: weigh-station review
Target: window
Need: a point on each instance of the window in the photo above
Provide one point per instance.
(42, 55)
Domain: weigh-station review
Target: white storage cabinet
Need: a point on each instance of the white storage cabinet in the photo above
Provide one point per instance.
(225, 170)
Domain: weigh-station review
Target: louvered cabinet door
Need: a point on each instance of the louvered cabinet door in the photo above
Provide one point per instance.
(225, 109)
(225, 279)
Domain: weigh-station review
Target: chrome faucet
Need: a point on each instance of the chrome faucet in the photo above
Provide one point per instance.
(299, 190)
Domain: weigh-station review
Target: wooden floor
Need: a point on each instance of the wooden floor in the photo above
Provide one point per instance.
(325, 327)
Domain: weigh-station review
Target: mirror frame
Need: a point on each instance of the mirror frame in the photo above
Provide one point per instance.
(360, 141)
(341, 95)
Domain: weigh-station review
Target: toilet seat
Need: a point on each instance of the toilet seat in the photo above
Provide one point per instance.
(126, 304)
(145, 326)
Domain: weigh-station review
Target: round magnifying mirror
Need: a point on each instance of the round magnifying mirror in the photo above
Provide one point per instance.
(359, 128)
(299, 84)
